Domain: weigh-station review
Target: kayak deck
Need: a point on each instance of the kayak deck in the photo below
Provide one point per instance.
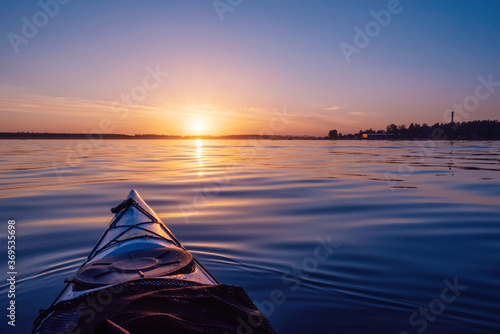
(136, 245)
(143, 279)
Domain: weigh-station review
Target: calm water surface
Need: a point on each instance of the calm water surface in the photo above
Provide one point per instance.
(410, 230)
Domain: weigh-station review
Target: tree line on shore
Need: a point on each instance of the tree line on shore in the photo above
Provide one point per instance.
(472, 130)
(487, 129)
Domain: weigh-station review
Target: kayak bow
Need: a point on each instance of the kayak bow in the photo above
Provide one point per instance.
(139, 255)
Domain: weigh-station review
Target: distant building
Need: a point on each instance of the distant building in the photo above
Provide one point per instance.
(378, 136)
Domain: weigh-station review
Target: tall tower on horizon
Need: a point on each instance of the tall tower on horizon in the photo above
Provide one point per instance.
(452, 116)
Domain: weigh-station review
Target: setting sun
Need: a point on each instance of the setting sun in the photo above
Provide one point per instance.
(197, 127)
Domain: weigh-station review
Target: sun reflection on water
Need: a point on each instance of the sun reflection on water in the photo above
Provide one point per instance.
(199, 154)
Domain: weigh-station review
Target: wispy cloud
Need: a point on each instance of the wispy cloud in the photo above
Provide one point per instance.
(322, 119)
(13, 99)
(364, 113)
(333, 108)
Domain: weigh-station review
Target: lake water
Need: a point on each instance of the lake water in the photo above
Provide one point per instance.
(353, 236)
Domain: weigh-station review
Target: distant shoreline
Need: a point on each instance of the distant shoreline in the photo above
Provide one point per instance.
(471, 130)
(109, 136)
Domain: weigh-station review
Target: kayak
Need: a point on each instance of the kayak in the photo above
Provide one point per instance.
(140, 279)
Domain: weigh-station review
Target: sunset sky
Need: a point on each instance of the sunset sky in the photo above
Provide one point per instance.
(244, 68)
